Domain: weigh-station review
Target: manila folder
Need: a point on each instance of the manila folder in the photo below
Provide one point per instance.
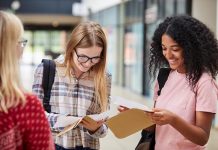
(128, 122)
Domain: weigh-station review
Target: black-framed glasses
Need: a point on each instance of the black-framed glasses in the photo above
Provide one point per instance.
(84, 59)
(23, 43)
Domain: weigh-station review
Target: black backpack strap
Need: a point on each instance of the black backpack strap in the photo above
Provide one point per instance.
(147, 135)
(47, 81)
(162, 78)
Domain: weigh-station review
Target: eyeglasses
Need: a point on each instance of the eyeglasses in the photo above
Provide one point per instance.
(84, 59)
(23, 43)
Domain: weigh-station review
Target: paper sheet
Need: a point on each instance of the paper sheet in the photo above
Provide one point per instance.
(129, 122)
(69, 127)
(101, 116)
(70, 122)
(64, 121)
(129, 104)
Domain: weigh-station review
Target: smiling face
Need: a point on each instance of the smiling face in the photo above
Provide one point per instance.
(92, 53)
(173, 53)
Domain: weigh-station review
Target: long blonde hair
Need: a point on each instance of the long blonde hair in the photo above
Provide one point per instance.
(88, 34)
(11, 93)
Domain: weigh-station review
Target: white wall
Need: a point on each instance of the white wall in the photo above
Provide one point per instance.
(96, 5)
(205, 10)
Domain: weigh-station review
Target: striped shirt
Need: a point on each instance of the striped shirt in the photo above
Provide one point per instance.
(74, 97)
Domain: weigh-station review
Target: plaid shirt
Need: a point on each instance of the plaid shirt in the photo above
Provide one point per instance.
(74, 97)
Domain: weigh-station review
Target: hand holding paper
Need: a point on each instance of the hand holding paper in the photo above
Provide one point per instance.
(129, 104)
(132, 118)
(91, 122)
(129, 122)
(122, 125)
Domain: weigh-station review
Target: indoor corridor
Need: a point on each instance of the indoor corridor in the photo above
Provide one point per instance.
(110, 142)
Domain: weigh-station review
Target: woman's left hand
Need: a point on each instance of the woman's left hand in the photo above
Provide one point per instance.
(162, 116)
(91, 125)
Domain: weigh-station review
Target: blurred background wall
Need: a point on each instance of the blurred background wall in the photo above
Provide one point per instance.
(128, 24)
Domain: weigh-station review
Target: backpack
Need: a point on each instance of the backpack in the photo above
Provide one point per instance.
(162, 78)
(47, 82)
(147, 141)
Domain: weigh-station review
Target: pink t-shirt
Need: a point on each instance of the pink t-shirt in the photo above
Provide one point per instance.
(177, 97)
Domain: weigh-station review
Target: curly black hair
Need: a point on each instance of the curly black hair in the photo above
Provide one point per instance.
(200, 48)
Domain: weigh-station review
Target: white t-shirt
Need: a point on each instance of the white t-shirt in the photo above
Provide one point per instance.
(177, 97)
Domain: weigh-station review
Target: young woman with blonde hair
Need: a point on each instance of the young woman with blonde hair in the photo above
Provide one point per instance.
(23, 124)
(81, 86)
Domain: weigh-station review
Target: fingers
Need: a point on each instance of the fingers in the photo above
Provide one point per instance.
(158, 114)
(85, 123)
(122, 108)
(91, 125)
(101, 121)
(158, 117)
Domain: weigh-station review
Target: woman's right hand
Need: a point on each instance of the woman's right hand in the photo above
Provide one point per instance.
(122, 108)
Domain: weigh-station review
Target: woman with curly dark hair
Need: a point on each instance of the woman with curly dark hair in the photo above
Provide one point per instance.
(185, 108)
